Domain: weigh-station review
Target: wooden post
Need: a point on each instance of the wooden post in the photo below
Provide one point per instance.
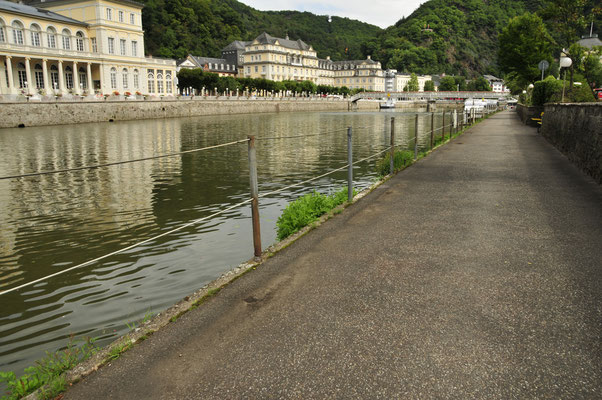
(254, 197)
(392, 160)
(416, 139)
(350, 168)
(432, 130)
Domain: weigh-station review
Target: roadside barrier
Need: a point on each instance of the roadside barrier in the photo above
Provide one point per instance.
(455, 125)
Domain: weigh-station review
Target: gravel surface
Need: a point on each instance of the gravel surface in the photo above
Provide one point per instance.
(476, 273)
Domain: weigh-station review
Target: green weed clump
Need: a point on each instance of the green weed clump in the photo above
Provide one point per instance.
(46, 373)
(401, 159)
(307, 209)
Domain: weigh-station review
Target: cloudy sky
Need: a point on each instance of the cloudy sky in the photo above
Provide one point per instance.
(378, 12)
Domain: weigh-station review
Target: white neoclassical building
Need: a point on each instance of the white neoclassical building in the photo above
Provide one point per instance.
(79, 47)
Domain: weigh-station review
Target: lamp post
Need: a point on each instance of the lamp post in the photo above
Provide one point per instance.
(565, 62)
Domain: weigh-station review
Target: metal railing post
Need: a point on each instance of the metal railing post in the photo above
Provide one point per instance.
(254, 197)
(416, 139)
(432, 130)
(443, 129)
(392, 160)
(350, 168)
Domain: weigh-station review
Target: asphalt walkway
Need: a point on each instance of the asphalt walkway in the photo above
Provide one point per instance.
(476, 273)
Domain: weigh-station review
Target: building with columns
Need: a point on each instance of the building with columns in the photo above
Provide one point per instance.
(79, 47)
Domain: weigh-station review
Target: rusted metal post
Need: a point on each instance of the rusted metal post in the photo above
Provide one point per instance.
(350, 168)
(254, 197)
(392, 157)
(443, 128)
(416, 139)
(432, 130)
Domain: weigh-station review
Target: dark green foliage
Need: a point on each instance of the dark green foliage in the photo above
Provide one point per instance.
(546, 91)
(46, 372)
(176, 28)
(447, 83)
(307, 209)
(401, 159)
(429, 86)
(413, 85)
(479, 85)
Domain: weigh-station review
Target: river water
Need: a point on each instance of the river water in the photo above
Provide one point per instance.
(52, 222)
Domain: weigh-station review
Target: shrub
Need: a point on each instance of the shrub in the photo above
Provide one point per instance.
(401, 159)
(546, 91)
(306, 210)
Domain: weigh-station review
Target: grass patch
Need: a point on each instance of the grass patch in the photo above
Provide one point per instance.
(46, 373)
(306, 210)
(401, 159)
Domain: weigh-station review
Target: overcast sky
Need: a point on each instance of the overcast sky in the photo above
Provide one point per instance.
(382, 13)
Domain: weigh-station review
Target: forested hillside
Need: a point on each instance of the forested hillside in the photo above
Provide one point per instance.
(175, 28)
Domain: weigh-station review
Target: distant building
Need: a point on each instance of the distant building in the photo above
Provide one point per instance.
(402, 81)
(496, 84)
(360, 74)
(234, 53)
(78, 47)
(219, 66)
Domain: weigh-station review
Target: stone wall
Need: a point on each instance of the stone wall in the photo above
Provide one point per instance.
(576, 130)
(525, 113)
(59, 113)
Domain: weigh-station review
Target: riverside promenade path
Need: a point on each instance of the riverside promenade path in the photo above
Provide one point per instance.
(476, 273)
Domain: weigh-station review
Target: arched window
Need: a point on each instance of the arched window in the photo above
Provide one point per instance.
(124, 77)
(35, 35)
(22, 74)
(54, 76)
(39, 76)
(2, 32)
(113, 78)
(18, 33)
(79, 41)
(160, 83)
(168, 83)
(83, 78)
(66, 39)
(151, 82)
(69, 78)
(136, 79)
(51, 35)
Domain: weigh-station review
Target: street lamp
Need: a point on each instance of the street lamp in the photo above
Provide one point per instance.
(565, 62)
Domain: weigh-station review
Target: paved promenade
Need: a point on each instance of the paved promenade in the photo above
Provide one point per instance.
(474, 274)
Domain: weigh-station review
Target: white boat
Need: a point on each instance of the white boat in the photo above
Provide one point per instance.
(389, 104)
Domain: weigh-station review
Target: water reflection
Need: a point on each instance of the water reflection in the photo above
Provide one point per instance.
(52, 222)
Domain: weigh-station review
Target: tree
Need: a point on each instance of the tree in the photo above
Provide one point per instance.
(413, 85)
(429, 86)
(479, 85)
(523, 44)
(448, 83)
(592, 69)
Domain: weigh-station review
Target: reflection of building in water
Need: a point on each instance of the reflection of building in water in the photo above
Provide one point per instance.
(76, 208)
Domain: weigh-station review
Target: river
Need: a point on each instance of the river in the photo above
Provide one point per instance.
(52, 222)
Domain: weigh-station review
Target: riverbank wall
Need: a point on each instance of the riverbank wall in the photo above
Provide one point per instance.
(59, 113)
(576, 130)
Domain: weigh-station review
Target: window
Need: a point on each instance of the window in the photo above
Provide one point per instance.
(22, 75)
(121, 18)
(83, 78)
(79, 41)
(69, 78)
(109, 14)
(17, 33)
(94, 45)
(39, 76)
(134, 48)
(122, 46)
(54, 76)
(160, 83)
(66, 39)
(2, 34)
(113, 78)
(51, 35)
(136, 79)
(168, 83)
(256, 68)
(35, 35)
(124, 76)
(111, 45)
(151, 83)
(133, 19)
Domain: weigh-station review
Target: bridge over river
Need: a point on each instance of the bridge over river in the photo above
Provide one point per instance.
(475, 273)
(429, 95)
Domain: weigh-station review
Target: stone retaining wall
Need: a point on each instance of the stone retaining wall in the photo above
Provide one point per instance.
(59, 113)
(576, 130)
(525, 113)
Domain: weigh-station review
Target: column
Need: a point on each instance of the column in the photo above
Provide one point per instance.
(47, 83)
(61, 78)
(90, 82)
(30, 83)
(11, 79)
(3, 86)
(76, 88)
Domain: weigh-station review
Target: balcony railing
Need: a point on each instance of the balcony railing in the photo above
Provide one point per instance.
(45, 51)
